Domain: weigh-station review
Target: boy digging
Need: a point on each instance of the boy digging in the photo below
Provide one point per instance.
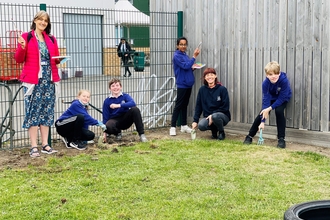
(276, 93)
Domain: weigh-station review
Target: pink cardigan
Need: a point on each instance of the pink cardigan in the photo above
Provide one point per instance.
(30, 56)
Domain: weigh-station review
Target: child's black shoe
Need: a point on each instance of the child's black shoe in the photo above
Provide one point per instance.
(281, 143)
(248, 140)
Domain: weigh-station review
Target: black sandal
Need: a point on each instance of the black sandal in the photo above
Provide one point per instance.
(49, 151)
(34, 152)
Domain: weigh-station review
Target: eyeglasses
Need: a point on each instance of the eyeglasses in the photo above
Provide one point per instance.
(182, 45)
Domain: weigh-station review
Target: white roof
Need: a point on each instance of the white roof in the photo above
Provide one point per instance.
(127, 15)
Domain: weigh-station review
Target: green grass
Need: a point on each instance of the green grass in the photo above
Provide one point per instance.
(199, 179)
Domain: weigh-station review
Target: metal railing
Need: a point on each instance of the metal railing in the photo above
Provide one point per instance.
(90, 37)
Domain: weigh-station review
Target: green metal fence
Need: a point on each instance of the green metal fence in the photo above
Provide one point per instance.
(90, 37)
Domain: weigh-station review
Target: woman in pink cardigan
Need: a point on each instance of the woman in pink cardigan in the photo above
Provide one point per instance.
(39, 77)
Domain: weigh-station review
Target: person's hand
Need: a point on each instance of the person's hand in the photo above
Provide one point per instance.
(196, 52)
(104, 137)
(21, 41)
(265, 112)
(194, 125)
(210, 119)
(261, 126)
(102, 126)
(113, 106)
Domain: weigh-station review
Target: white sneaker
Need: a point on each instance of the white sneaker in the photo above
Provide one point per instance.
(143, 138)
(172, 131)
(185, 129)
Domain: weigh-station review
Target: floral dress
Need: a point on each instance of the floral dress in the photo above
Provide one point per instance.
(39, 106)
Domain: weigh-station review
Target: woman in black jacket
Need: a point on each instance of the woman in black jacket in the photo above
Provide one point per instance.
(213, 102)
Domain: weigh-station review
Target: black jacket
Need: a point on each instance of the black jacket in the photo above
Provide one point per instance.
(127, 51)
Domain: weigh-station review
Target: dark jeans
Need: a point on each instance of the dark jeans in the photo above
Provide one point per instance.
(280, 122)
(181, 104)
(219, 121)
(123, 122)
(72, 129)
(125, 63)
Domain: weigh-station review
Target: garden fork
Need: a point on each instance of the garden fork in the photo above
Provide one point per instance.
(261, 140)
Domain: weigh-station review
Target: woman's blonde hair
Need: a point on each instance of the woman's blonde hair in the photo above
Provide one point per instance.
(39, 15)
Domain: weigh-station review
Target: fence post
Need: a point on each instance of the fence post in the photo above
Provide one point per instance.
(180, 34)
(43, 8)
(180, 24)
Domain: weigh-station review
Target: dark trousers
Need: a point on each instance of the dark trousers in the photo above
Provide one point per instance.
(280, 122)
(72, 129)
(125, 63)
(115, 125)
(181, 104)
(219, 121)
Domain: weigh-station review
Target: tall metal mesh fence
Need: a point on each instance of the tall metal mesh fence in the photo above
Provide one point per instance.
(90, 37)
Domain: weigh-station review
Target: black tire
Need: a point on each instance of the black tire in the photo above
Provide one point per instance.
(313, 210)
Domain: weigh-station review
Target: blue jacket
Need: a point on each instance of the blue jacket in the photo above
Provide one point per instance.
(276, 94)
(76, 108)
(183, 72)
(212, 100)
(126, 102)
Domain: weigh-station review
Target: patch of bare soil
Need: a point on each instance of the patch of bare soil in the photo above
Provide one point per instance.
(19, 158)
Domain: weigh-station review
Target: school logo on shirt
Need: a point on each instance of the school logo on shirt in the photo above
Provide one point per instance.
(218, 98)
(122, 102)
(278, 90)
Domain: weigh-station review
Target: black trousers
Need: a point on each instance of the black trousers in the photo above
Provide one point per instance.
(125, 63)
(280, 122)
(123, 122)
(219, 121)
(181, 105)
(72, 129)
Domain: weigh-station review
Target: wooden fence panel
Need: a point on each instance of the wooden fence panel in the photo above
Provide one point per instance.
(324, 115)
(316, 71)
(259, 64)
(297, 10)
(255, 32)
(250, 110)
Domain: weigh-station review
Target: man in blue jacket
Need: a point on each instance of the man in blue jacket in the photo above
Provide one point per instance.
(276, 93)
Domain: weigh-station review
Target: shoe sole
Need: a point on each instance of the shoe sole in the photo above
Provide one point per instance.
(47, 152)
(79, 148)
(38, 155)
(66, 143)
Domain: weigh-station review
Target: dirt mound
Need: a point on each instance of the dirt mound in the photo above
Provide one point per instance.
(19, 158)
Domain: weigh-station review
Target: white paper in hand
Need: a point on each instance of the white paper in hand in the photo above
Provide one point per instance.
(63, 59)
